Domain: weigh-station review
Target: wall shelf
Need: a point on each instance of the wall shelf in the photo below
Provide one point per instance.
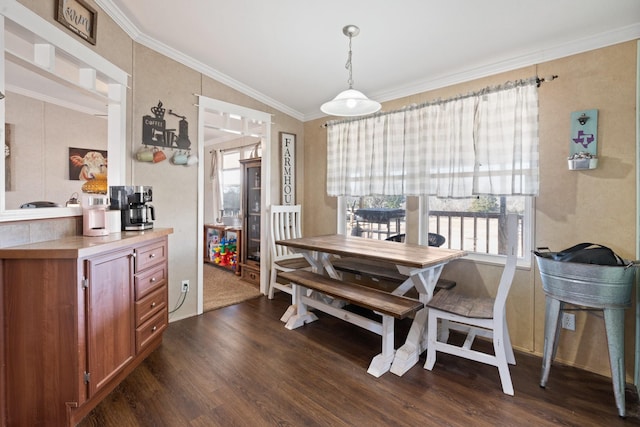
(582, 164)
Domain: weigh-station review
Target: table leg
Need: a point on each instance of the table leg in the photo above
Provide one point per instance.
(407, 355)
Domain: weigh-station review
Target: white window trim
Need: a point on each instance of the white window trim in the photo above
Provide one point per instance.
(423, 221)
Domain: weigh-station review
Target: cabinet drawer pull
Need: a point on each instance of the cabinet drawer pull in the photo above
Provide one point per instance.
(152, 255)
(153, 279)
(153, 304)
(154, 329)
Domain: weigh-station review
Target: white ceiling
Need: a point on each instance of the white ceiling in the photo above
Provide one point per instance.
(290, 54)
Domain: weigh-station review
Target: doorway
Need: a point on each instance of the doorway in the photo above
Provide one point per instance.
(222, 125)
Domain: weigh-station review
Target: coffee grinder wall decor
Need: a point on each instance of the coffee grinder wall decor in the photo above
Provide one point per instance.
(156, 137)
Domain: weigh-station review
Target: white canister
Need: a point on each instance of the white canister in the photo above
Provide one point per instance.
(114, 221)
(94, 218)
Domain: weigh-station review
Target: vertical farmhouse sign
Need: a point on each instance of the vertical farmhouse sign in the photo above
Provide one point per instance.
(288, 167)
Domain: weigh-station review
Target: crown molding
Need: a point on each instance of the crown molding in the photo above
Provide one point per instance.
(465, 74)
(138, 36)
(472, 72)
(562, 50)
(119, 18)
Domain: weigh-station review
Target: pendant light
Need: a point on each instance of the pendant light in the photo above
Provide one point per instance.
(350, 102)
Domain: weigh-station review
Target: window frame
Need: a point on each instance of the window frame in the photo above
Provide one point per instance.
(423, 229)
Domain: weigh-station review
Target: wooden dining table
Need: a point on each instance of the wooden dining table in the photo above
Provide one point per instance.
(421, 264)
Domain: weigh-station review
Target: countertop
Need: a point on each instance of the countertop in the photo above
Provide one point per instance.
(81, 246)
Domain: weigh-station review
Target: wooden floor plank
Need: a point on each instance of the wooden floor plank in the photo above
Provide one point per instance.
(239, 366)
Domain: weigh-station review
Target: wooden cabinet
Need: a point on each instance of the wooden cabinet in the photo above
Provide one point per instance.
(79, 315)
(109, 301)
(150, 293)
(251, 208)
(222, 245)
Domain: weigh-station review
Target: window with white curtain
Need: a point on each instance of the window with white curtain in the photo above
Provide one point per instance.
(481, 146)
(226, 176)
(231, 182)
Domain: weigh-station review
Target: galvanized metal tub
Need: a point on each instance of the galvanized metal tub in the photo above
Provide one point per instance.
(591, 285)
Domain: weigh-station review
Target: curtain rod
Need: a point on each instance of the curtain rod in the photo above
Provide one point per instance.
(239, 147)
(489, 89)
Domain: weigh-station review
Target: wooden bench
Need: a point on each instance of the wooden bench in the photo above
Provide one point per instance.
(379, 271)
(388, 306)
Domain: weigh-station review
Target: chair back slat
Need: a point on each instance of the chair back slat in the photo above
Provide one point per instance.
(285, 224)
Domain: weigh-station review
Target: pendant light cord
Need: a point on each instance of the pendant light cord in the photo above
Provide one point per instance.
(349, 65)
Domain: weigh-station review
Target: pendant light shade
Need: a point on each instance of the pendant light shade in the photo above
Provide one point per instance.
(350, 102)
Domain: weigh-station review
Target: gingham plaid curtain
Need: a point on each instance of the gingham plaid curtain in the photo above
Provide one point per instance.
(480, 144)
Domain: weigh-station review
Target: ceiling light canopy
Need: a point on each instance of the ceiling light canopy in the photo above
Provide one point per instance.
(350, 102)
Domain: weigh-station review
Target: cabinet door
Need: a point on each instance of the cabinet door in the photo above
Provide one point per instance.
(252, 208)
(110, 316)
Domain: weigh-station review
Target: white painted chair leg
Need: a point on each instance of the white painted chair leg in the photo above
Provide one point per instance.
(503, 366)
(511, 358)
(272, 281)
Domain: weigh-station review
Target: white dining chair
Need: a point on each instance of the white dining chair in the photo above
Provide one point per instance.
(483, 317)
(285, 224)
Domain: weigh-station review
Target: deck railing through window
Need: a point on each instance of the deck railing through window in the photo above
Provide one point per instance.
(474, 231)
(470, 231)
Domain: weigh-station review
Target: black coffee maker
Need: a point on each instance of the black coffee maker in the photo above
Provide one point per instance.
(134, 203)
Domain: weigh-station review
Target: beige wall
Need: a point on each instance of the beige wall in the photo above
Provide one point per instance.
(573, 206)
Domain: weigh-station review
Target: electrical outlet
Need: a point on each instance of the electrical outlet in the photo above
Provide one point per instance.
(185, 286)
(569, 321)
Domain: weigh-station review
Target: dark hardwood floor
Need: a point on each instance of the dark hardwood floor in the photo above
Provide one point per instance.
(239, 366)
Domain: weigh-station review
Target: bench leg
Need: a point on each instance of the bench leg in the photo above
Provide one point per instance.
(291, 310)
(382, 362)
(302, 314)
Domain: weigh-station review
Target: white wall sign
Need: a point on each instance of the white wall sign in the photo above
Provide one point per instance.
(288, 168)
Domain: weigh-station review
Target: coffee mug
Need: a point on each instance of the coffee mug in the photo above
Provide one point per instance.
(158, 156)
(192, 160)
(145, 155)
(179, 158)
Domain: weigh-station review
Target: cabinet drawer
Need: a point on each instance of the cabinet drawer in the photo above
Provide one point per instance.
(150, 330)
(250, 275)
(149, 255)
(150, 305)
(149, 280)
